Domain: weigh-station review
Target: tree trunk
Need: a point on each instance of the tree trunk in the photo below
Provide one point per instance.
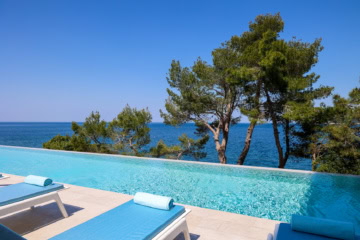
(278, 145)
(179, 156)
(276, 131)
(251, 128)
(132, 147)
(97, 143)
(287, 141)
(246, 148)
(220, 148)
(224, 141)
(222, 156)
(223, 125)
(313, 166)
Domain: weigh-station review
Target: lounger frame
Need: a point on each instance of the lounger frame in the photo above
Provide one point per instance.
(178, 226)
(273, 236)
(3, 177)
(31, 202)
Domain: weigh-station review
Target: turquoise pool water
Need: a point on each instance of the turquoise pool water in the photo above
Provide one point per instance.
(255, 192)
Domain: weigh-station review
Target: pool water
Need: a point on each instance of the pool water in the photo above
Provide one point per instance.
(254, 192)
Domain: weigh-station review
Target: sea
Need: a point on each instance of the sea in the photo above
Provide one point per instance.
(262, 152)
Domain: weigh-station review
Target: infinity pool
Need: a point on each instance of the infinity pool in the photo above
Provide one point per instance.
(255, 192)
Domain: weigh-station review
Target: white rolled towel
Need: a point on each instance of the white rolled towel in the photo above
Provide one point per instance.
(154, 201)
(38, 180)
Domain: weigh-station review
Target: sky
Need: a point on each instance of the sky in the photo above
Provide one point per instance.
(62, 59)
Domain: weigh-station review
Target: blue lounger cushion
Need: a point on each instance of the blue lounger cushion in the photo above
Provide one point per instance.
(128, 221)
(286, 233)
(8, 234)
(323, 227)
(21, 191)
(1, 175)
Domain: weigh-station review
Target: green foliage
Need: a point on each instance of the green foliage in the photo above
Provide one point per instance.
(202, 94)
(187, 147)
(163, 150)
(92, 136)
(340, 148)
(73, 143)
(95, 131)
(307, 131)
(127, 134)
(277, 77)
(59, 143)
(331, 135)
(129, 131)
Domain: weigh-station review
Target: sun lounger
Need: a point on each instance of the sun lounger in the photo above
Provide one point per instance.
(132, 221)
(310, 228)
(2, 176)
(283, 231)
(8, 234)
(20, 196)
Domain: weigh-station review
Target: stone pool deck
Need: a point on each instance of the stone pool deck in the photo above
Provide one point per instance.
(82, 204)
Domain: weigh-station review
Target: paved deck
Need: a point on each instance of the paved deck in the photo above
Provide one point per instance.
(82, 204)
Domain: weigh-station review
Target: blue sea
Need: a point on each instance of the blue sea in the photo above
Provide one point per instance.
(262, 152)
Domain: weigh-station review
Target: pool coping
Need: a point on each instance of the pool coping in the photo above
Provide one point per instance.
(189, 162)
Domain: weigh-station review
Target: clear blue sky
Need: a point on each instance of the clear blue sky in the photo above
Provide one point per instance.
(61, 59)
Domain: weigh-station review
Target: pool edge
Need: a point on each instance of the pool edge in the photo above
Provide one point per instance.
(189, 162)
